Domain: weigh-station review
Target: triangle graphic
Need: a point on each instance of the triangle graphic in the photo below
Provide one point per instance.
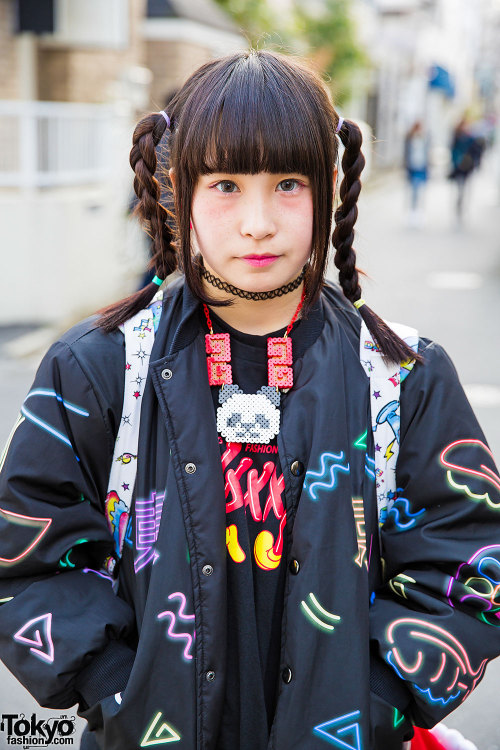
(361, 441)
(159, 735)
(398, 718)
(341, 726)
(44, 645)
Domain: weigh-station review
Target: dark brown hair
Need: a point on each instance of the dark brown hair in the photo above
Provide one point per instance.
(246, 113)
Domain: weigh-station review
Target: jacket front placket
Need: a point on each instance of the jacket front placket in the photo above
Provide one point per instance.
(325, 660)
(181, 384)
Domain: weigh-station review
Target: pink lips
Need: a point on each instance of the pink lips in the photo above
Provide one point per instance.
(260, 260)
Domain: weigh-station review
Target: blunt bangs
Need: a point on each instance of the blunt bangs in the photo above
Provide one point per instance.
(256, 115)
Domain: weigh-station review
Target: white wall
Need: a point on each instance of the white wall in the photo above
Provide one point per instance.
(64, 253)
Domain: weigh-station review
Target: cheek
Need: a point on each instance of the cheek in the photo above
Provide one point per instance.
(300, 224)
(209, 217)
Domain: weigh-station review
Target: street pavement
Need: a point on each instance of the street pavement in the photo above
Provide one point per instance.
(441, 277)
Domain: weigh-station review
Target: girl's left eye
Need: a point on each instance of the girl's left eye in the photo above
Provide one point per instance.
(226, 186)
(288, 186)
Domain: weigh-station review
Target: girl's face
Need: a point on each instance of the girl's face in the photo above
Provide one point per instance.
(253, 230)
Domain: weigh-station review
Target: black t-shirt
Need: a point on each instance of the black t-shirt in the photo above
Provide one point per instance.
(256, 559)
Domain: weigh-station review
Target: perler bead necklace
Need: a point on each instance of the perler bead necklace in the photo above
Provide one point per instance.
(249, 417)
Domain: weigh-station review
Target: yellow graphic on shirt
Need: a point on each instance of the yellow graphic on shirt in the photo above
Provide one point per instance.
(233, 545)
(265, 555)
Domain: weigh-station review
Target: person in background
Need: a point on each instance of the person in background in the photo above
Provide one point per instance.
(466, 151)
(416, 160)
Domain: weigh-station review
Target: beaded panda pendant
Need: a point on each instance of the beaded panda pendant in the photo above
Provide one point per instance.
(249, 417)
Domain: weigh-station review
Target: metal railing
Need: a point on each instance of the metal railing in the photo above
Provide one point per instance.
(53, 144)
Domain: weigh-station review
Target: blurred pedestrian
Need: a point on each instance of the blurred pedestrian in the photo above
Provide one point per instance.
(466, 151)
(416, 160)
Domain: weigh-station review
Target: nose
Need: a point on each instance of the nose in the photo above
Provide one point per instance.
(257, 219)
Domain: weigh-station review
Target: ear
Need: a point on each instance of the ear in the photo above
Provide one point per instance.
(227, 391)
(270, 393)
(171, 174)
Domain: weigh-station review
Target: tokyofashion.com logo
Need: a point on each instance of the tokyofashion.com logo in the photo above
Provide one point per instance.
(34, 732)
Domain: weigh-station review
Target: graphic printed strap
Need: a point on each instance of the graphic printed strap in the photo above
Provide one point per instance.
(385, 390)
(139, 333)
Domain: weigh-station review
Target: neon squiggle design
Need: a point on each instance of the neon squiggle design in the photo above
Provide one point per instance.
(396, 514)
(182, 616)
(45, 425)
(329, 470)
(48, 655)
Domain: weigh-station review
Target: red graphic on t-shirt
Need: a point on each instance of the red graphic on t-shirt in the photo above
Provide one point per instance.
(267, 551)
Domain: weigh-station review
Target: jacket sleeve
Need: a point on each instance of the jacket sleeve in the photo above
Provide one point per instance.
(59, 616)
(436, 621)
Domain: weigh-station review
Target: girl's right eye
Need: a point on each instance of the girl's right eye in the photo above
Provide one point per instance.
(226, 186)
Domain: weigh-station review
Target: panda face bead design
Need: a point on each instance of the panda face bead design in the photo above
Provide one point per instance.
(248, 417)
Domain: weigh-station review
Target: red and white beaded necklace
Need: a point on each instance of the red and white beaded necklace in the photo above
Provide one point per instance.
(249, 417)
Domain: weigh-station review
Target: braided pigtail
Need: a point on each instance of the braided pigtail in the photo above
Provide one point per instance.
(153, 216)
(393, 348)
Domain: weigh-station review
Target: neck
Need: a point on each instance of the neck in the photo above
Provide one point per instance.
(257, 317)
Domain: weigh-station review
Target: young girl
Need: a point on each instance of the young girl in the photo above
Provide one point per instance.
(253, 608)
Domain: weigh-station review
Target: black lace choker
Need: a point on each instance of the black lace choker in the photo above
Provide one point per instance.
(225, 287)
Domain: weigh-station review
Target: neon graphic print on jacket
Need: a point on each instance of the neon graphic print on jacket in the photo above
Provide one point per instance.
(456, 471)
(267, 549)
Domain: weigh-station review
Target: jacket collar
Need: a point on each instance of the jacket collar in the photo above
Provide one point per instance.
(179, 324)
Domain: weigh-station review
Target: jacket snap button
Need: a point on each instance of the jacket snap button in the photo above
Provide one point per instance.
(166, 374)
(210, 675)
(286, 675)
(190, 468)
(297, 468)
(207, 570)
(294, 567)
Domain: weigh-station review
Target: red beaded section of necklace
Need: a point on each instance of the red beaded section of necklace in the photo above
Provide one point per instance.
(279, 354)
(218, 346)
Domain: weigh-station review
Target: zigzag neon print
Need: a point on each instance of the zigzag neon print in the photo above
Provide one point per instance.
(330, 467)
(45, 425)
(182, 616)
(454, 671)
(486, 474)
(399, 513)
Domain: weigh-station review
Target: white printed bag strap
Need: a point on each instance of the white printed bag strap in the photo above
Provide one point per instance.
(385, 390)
(139, 332)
